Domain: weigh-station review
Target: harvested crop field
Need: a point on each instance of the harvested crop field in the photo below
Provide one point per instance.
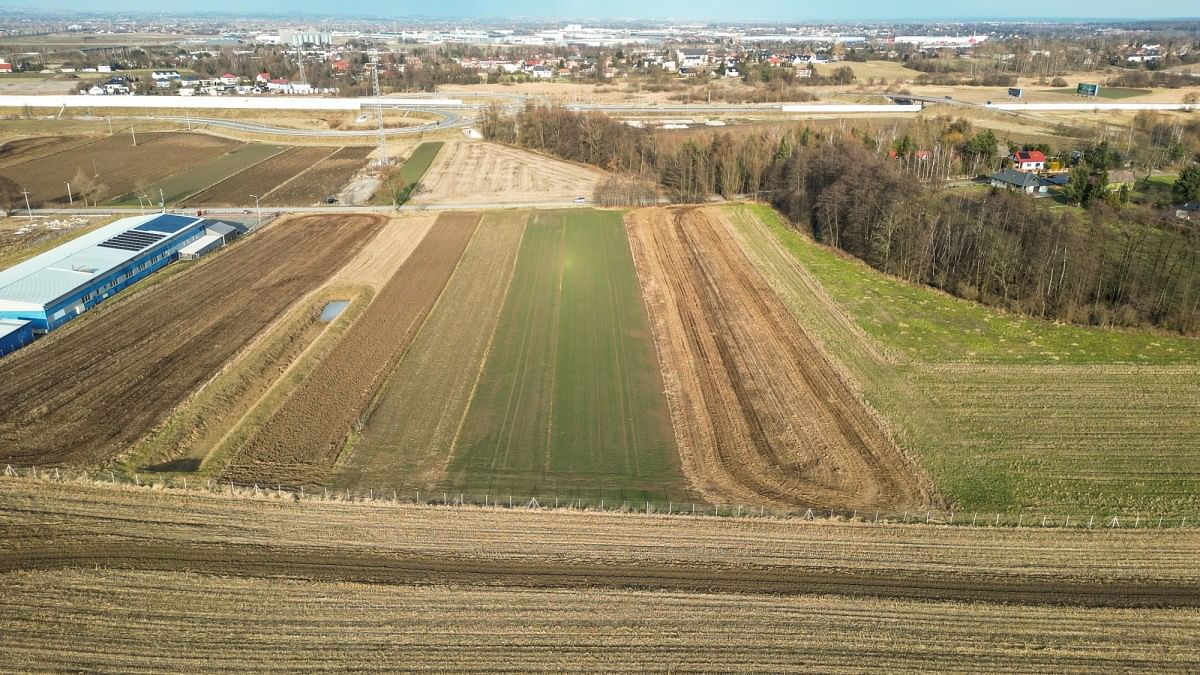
(479, 173)
(760, 412)
(90, 390)
(299, 584)
(260, 179)
(1099, 434)
(324, 179)
(116, 164)
(300, 442)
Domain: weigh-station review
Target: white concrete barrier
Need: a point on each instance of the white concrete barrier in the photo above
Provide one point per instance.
(1098, 107)
(850, 108)
(265, 102)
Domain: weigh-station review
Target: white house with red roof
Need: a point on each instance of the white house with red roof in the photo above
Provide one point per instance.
(1029, 160)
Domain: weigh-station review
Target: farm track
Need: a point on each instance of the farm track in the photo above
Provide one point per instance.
(87, 392)
(300, 442)
(760, 412)
(259, 179)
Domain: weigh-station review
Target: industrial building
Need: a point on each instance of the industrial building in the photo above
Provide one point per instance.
(14, 334)
(52, 288)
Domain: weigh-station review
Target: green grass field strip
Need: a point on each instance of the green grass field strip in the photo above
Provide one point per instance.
(926, 325)
(187, 183)
(1008, 437)
(418, 162)
(411, 171)
(570, 402)
(411, 428)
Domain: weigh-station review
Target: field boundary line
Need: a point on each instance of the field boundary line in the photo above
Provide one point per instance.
(435, 498)
(232, 175)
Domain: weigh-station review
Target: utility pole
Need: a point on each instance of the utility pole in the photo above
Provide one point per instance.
(188, 114)
(383, 156)
(162, 201)
(28, 210)
(69, 197)
(110, 129)
(134, 134)
(257, 212)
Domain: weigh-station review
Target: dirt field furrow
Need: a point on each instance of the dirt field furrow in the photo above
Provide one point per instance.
(760, 412)
(91, 389)
(300, 442)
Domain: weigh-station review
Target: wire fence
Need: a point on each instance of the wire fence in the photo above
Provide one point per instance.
(450, 499)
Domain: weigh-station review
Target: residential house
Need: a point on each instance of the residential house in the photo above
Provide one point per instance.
(229, 79)
(6, 67)
(691, 58)
(1120, 178)
(1011, 179)
(1029, 160)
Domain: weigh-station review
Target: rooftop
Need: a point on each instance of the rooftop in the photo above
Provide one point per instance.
(1018, 178)
(44, 278)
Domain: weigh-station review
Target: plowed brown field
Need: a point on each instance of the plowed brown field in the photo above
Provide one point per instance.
(260, 179)
(301, 441)
(91, 389)
(234, 583)
(760, 413)
(326, 178)
(115, 162)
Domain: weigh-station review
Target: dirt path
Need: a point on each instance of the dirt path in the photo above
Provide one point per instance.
(88, 391)
(759, 411)
(301, 441)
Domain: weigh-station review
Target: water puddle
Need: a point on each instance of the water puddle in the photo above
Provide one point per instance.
(332, 310)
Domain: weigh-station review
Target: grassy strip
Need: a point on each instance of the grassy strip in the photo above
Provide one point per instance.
(409, 173)
(926, 325)
(569, 403)
(218, 459)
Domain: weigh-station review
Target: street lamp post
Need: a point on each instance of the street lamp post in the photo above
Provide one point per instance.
(162, 201)
(28, 209)
(257, 212)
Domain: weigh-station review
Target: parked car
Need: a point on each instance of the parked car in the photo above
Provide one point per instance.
(580, 200)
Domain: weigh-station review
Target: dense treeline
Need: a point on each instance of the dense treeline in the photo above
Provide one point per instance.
(1128, 266)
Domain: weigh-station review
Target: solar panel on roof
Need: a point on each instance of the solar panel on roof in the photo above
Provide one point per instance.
(167, 222)
(132, 240)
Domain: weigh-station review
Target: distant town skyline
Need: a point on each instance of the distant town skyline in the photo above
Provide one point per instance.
(691, 10)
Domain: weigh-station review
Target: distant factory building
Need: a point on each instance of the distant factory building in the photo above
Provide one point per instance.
(297, 38)
(52, 288)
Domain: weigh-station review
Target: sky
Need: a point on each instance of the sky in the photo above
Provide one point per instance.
(711, 10)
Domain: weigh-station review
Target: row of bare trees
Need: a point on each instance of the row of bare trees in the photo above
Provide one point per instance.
(1133, 266)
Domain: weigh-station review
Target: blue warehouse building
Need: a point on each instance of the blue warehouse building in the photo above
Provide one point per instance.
(52, 288)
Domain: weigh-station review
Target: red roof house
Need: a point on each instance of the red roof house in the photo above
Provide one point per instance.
(1029, 160)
